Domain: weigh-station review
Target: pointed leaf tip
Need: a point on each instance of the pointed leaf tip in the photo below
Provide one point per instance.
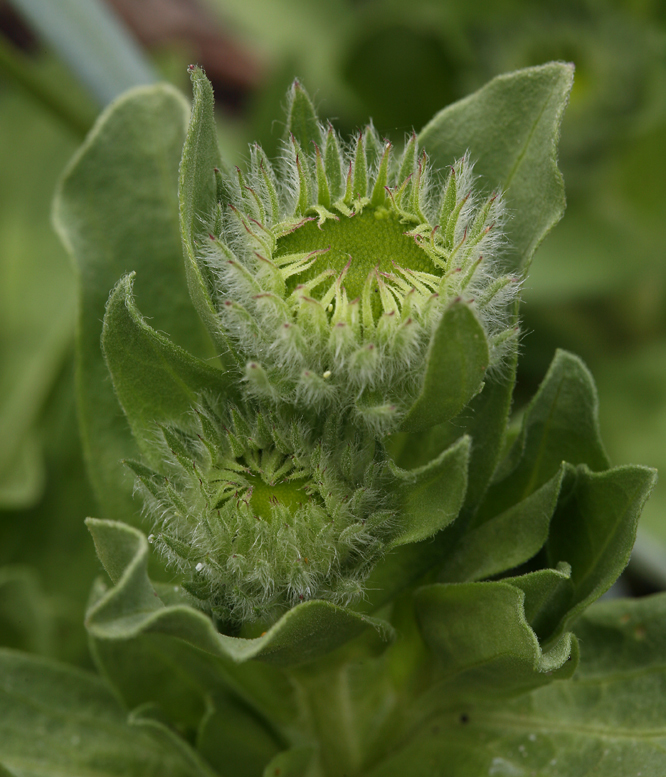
(302, 121)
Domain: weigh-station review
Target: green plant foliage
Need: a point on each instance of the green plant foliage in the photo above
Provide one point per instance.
(36, 320)
(605, 719)
(514, 123)
(82, 726)
(114, 219)
(370, 571)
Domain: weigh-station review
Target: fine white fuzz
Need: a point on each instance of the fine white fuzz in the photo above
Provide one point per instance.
(333, 270)
(258, 516)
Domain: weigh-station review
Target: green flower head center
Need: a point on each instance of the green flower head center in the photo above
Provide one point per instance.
(265, 496)
(369, 240)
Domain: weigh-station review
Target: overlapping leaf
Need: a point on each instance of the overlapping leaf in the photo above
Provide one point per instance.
(480, 634)
(117, 212)
(456, 361)
(155, 380)
(56, 720)
(197, 200)
(608, 720)
(430, 499)
(511, 126)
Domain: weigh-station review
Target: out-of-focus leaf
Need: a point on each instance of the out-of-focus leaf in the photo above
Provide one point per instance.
(117, 212)
(26, 620)
(234, 741)
(291, 763)
(50, 536)
(36, 291)
(57, 720)
(609, 720)
(22, 481)
(511, 128)
(633, 417)
(133, 607)
(91, 39)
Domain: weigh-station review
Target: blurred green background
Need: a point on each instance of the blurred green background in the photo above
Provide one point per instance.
(597, 285)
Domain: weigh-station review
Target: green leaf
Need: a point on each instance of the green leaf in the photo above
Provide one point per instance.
(507, 540)
(117, 211)
(485, 420)
(26, 620)
(198, 199)
(234, 741)
(133, 607)
(560, 424)
(22, 479)
(37, 291)
(546, 591)
(431, 496)
(511, 129)
(480, 633)
(141, 671)
(57, 720)
(594, 529)
(609, 720)
(155, 380)
(455, 366)
(291, 763)
(302, 120)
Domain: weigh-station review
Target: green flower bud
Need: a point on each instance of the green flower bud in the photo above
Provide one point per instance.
(258, 516)
(334, 267)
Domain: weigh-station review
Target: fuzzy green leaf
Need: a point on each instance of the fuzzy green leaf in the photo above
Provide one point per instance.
(57, 720)
(302, 120)
(133, 607)
(155, 380)
(481, 635)
(507, 540)
(141, 671)
(485, 420)
(431, 496)
(116, 211)
(198, 197)
(511, 128)
(561, 424)
(594, 529)
(455, 366)
(609, 720)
